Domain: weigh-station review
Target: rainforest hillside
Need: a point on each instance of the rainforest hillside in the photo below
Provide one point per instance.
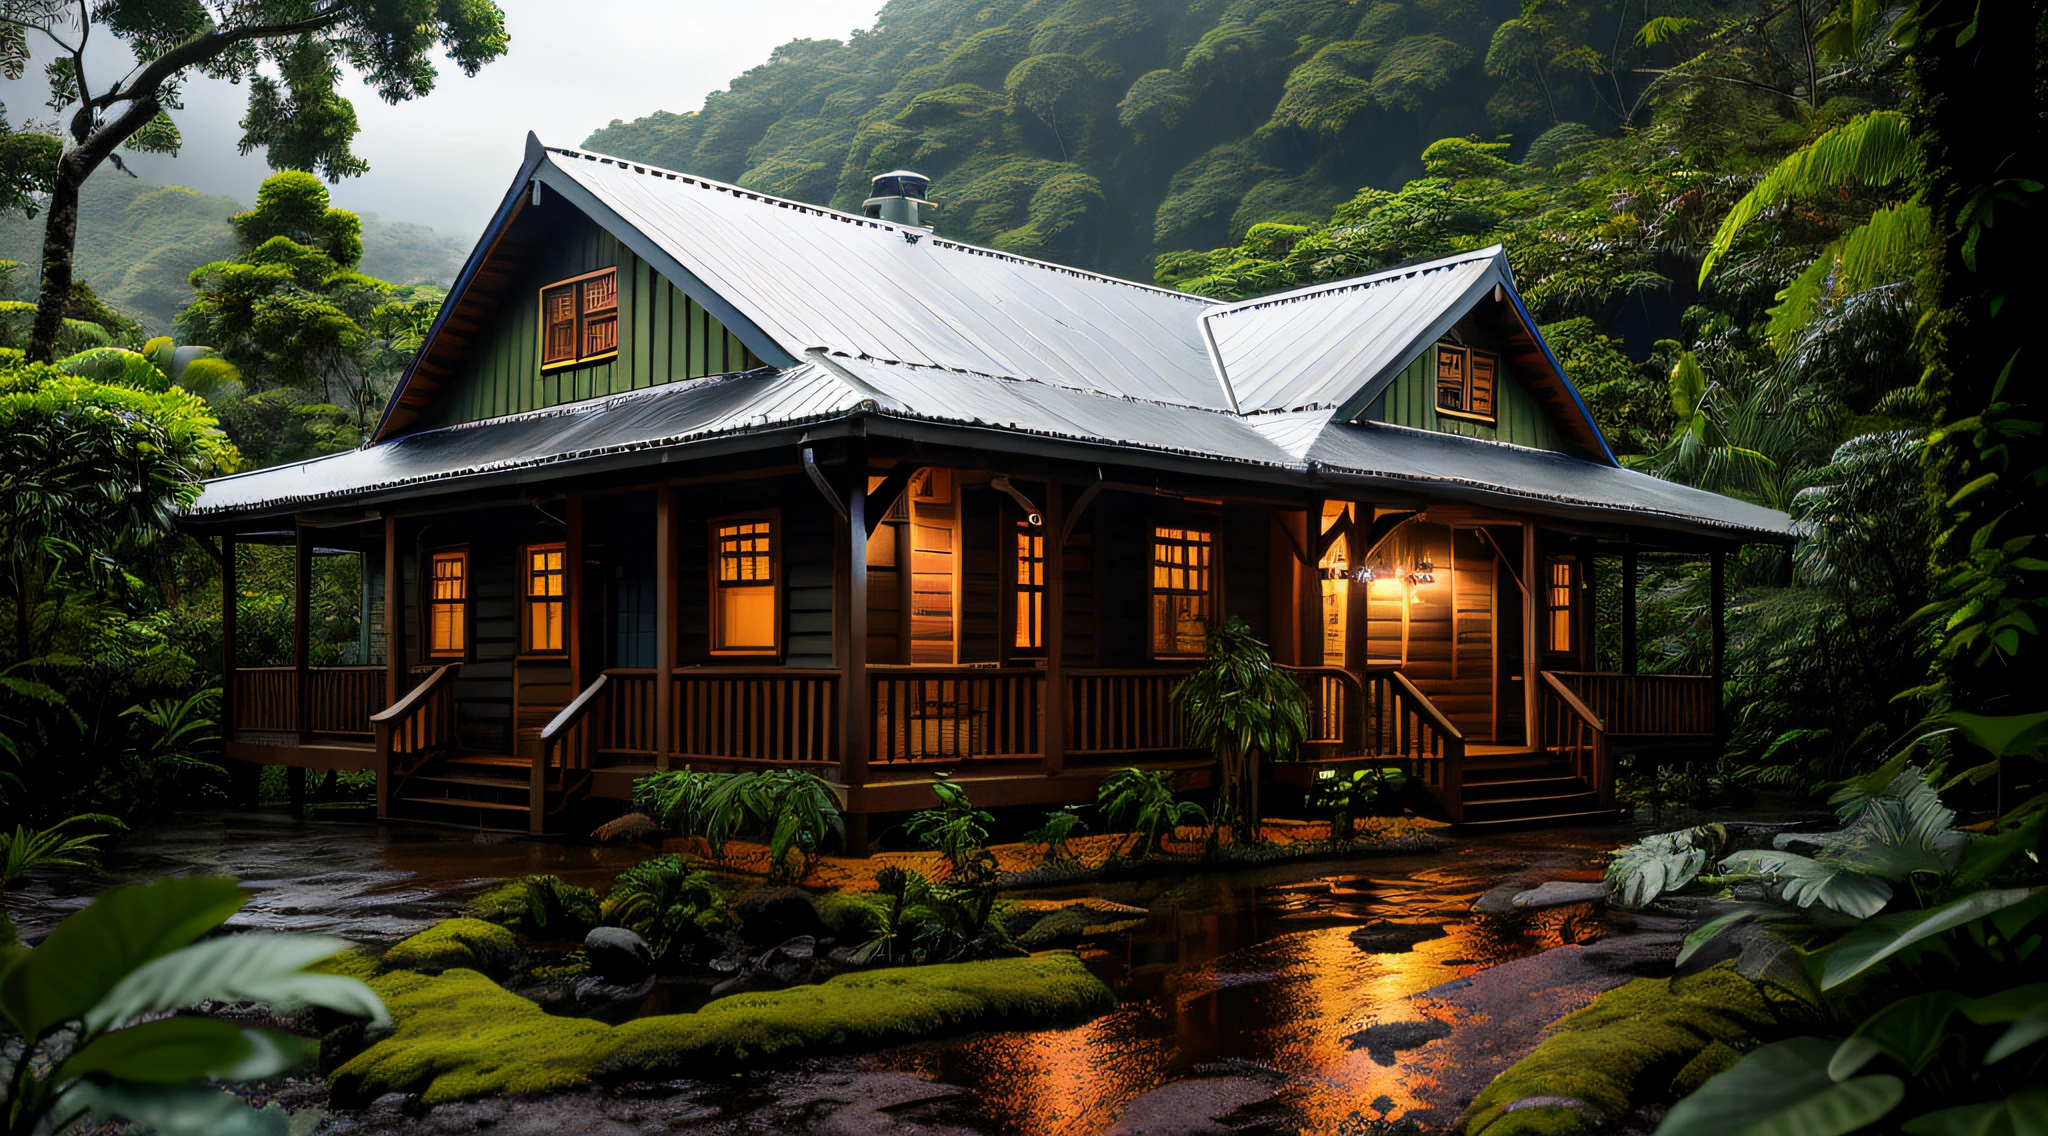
(138, 243)
(1102, 132)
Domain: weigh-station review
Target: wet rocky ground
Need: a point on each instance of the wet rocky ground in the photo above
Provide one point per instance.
(1351, 998)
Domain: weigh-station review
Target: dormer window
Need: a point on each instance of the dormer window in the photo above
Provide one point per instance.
(579, 319)
(1466, 379)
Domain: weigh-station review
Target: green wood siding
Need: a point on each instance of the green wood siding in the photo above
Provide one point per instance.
(1410, 400)
(664, 337)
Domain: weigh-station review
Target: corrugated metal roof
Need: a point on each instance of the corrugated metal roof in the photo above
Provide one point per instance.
(679, 414)
(1321, 345)
(812, 277)
(655, 418)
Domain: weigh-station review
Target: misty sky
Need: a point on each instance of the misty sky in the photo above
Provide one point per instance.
(445, 161)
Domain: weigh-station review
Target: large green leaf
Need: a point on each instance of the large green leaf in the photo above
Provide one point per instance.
(2026, 1007)
(1871, 944)
(184, 1049)
(1783, 1089)
(1910, 1031)
(1664, 862)
(1713, 928)
(1986, 854)
(89, 953)
(174, 1110)
(2025, 1113)
(242, 968)
(1803, 881)
(2004, 735)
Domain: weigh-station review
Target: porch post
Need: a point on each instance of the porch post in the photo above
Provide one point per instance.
(302, 621)
(572, 587)
(1358, 597)
(664, 624)
(852, 605)
(1628, 610)
(1589, 610)
(302, 659)
(230, 592)
(1717, 599)
(1532, 706)
(394, 657)
(1052, 727)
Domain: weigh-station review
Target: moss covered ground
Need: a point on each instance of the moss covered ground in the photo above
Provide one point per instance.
(459, 1035)
(1649, 1042)
(471, 944)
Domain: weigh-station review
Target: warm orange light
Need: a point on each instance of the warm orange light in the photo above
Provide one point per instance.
(448, 597)
(744, 615)
(546, 602)
(1181, 584)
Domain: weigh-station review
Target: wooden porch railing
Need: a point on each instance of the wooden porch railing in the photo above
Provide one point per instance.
(1116, 714)
(567, 746)
(1337, 708)
(1402, 723)
(414, 730)
(1647, 705)
(783, 715)
(339, 700)
(955, 713)
(1572, 731)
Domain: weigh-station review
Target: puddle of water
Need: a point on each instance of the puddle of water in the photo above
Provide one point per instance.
(1250, 970)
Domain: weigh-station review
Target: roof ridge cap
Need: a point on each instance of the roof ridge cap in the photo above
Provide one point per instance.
(888, 226)
(1352, 283)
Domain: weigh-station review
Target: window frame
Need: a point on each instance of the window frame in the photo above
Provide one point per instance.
(465, 606)
(1211, 530)
(715, 624)
(1025, 596)
(583, 318)
(527, 599)
(1560, 615)
(1470, 361)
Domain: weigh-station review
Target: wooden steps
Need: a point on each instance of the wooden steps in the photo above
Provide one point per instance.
(489, 790)
(1528, 787)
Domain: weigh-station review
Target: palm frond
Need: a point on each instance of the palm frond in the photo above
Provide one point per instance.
(1875, 149)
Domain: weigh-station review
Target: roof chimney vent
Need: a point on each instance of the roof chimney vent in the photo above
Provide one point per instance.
(898, 197)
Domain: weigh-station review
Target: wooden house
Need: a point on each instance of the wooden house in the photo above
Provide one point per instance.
(687, 474)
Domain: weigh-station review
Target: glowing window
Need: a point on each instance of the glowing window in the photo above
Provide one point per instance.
(746, 601)
(1465, 381)
(1182, 575)
(546, 597)
(1030, 585)
(579, 319)
(448, 604)
(1557, 605)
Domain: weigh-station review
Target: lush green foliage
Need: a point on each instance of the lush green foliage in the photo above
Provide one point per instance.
(89, 1005)
(1351, 793)
(1059, 828)
(1242, 706)
(956, 829)
(677, 910)
(676, 799)
(460, 1035)
(1141, 801)
(793, 812)
(24, 851)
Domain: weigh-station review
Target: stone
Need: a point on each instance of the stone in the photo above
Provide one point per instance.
(1381, 1042)
(777, 915)
(617, 955)
(1499, 901)
(1384, 938)
(1195, 1107)
(1559, 894)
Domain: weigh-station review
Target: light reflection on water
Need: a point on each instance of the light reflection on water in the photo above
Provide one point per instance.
(1261, 974)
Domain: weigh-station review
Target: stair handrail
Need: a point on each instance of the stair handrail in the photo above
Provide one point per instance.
(1352, 739)
(1596, 751)
(1437, 720)
(399, 718)
(1572, 701)
(1448, 785)
(555, 737)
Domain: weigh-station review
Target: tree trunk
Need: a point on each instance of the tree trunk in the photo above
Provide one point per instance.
(60, 240)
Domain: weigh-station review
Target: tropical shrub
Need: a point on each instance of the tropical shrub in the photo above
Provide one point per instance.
(934, 922)
(1143, 800)
(1059, 828)
(955, 829)
(1348, 794)
(1664, 862)
(89, 1004)
(1242, 706)
(675, 909)
(538, 905)
(791, 811)
(676, 798)
(23, 851)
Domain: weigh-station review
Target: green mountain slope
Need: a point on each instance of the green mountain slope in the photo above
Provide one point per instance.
(139, 242)
(1103, 132)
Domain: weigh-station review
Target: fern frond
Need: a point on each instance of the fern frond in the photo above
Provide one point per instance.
(1884, 250)
(1874, 149)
